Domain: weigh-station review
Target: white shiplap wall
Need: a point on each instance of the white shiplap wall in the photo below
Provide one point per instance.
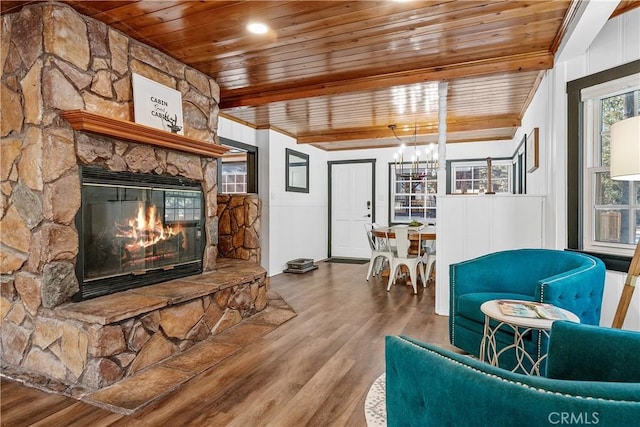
(473, 225)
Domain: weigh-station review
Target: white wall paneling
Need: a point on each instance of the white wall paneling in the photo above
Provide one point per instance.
(473, 225)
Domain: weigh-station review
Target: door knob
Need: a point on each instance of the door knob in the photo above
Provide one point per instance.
(367, 216)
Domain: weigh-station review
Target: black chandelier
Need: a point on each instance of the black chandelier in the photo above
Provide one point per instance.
(422, 164)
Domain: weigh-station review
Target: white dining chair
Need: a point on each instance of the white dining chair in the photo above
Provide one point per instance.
(403, 257)
(429, 256)
(428, 260)
(380, 251)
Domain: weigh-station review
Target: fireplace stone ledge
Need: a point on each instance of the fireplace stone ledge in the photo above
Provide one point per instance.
(125, 305)
(149, 385)
(95, 343)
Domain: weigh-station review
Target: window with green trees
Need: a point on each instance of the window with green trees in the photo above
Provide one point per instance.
(611, 208)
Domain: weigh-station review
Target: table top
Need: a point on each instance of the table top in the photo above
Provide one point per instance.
(491, 309)
(425, 233)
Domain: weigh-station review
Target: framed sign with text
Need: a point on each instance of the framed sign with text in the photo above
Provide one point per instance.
(157, 105)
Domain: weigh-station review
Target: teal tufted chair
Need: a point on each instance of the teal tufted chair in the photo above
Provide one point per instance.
(570, 280)
(592, 378)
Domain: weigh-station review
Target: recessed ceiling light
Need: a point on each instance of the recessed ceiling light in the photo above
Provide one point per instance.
(257, 28)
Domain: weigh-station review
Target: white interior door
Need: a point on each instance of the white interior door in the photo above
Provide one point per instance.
(351, 207)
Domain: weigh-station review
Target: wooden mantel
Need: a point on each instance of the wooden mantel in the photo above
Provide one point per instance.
(96, 123)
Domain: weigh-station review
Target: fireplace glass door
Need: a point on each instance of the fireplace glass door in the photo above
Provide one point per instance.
(138, 233)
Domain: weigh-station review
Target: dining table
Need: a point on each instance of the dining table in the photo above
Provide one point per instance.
(416, 236)
(415, 233)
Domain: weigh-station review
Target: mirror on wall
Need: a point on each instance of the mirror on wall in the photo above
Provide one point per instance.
(297, 171)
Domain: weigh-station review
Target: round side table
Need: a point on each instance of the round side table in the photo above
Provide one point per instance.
(521, 326)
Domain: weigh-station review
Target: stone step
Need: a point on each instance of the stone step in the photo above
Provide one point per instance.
(96, 343)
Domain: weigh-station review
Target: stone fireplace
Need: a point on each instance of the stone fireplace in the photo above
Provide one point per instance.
(55, 60)
(57, 178)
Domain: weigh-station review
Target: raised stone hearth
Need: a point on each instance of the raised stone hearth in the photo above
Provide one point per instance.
(100, 341)
(153, 382)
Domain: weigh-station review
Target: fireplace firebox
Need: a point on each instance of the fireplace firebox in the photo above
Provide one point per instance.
(136, 230)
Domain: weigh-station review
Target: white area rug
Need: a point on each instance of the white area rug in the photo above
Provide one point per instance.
(375, 409)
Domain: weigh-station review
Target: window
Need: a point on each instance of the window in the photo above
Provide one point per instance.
(578, 156)
(234, 177)
(470, 177)
(412, 193)
(238, 168)
(518, 172)
(611, 208)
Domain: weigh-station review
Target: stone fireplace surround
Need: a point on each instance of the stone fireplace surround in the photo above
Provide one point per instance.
(54, 59)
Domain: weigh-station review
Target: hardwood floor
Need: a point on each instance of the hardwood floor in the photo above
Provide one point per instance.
(314, 370)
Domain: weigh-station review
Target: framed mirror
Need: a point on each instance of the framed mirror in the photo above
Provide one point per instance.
(297, 171)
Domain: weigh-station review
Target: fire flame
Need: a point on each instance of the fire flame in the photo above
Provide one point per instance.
(146, 229)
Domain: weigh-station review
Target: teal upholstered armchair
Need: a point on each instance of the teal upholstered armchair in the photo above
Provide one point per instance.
(570, 280)
(593, 378)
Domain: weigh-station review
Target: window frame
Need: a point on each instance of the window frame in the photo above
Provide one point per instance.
(452, 165)
(519, 168)
(575, 161)
(592, 98)
(392, 194)
(252, 165)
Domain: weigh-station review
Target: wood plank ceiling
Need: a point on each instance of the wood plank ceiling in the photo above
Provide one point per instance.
(336, 74)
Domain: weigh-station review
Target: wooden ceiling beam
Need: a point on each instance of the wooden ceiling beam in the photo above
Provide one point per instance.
(624, 7)
(451, 139)
(382, 132)
(262, 95)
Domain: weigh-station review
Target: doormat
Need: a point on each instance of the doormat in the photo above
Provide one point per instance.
(347, 260)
